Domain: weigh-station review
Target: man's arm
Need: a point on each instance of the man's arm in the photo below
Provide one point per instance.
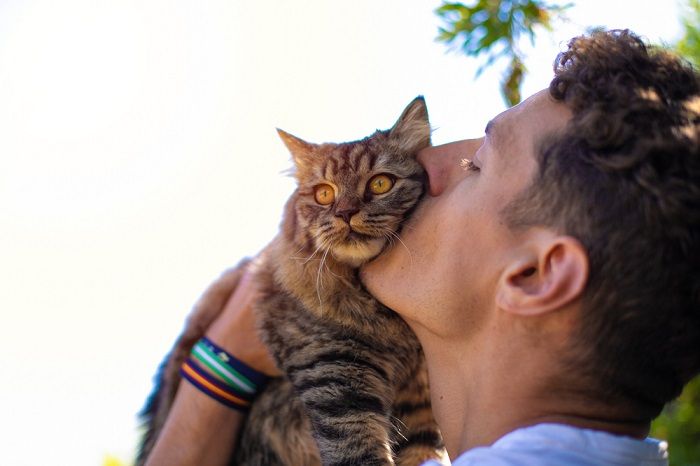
(200, 430)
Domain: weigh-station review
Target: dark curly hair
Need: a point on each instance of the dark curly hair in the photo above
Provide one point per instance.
(624, 178)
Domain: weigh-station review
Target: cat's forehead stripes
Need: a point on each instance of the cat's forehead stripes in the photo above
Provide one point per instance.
(330, 168)
(362, 158)
(357, 158)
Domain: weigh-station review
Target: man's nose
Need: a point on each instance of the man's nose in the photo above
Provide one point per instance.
(442, 163)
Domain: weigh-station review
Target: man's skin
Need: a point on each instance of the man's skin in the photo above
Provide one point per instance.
(493, 308)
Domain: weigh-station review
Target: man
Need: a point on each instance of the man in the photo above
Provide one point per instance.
(551, 275)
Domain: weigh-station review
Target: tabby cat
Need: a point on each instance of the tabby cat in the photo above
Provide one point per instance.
(355, 389)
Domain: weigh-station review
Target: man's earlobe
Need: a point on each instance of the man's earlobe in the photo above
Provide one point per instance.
(553, 275)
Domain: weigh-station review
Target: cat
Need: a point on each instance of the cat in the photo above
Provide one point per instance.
(355, 390)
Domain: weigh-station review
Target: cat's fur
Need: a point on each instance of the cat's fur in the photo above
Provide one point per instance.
(354, 372)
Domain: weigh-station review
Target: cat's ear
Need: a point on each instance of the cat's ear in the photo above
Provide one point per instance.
(412, 129)
(301, 150)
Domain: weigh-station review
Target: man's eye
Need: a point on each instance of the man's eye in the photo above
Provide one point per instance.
(468, 165)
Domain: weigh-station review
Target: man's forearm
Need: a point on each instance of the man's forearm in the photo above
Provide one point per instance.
(199, 431)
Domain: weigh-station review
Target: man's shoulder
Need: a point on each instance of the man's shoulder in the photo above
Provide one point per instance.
(557, 444)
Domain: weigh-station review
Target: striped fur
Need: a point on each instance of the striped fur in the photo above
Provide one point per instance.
(355, 390)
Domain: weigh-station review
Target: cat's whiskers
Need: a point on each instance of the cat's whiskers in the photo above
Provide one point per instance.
(319, 283)
(392, 235)
(330, 270)
(294, 255)
(312, 254)
(399, 430)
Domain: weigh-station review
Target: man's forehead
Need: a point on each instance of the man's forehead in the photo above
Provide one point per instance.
(517, 133)
(539, 102)
(544, 111)
(532, 119)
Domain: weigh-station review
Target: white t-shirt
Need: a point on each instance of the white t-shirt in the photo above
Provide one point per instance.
(557, 444)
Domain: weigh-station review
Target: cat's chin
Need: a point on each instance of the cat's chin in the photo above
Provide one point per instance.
(356, 253)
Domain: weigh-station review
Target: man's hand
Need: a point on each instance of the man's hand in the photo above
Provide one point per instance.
(235, 329)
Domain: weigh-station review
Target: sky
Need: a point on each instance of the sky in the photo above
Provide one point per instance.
(139, 159)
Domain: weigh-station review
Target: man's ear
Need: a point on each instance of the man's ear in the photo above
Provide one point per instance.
(552, 273)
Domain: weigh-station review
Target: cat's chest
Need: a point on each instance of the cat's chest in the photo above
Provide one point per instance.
(328, 294)
(343, 301)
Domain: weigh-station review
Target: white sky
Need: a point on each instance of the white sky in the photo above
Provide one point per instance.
(138, 159)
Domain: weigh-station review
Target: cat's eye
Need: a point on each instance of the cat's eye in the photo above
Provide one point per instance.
(324, 194)
(380, 184)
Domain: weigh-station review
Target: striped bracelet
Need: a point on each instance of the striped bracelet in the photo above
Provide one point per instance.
(221, 376)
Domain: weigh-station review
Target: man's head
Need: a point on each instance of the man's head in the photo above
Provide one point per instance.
(624, 179)
(585, 198)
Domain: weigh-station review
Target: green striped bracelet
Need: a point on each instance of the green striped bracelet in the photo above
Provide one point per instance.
(236, 374)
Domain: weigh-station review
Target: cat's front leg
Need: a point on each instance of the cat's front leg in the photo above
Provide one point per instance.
(347, 396)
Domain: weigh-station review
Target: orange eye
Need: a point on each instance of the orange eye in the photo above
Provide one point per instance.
(324, 194)
(380, 184)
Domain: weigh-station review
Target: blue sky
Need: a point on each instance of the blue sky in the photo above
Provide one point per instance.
(139, 159)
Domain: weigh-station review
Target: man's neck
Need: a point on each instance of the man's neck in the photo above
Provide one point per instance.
(481, 391)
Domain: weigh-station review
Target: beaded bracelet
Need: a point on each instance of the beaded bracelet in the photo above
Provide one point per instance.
(221, 376)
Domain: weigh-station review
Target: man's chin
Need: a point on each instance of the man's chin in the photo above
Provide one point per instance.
(376, 275)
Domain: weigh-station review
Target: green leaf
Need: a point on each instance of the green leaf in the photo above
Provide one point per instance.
(492, 28)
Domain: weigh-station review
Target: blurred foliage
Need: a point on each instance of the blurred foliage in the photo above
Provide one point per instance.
(111, 460)
(493, 28)
(680, 421)
(689, 45)
(679, 424)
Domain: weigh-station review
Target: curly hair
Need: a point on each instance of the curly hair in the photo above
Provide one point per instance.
(624, 178)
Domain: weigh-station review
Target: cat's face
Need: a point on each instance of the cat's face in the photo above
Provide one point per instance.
(353, 197)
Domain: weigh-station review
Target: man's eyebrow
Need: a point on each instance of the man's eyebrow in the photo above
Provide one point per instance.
(493, 131)
(489, 127)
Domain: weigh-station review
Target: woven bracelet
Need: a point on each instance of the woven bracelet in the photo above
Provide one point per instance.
(212, 387)
(257, 378)
(221, 376)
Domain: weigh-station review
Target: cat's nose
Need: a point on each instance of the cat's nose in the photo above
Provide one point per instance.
(346, 214)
